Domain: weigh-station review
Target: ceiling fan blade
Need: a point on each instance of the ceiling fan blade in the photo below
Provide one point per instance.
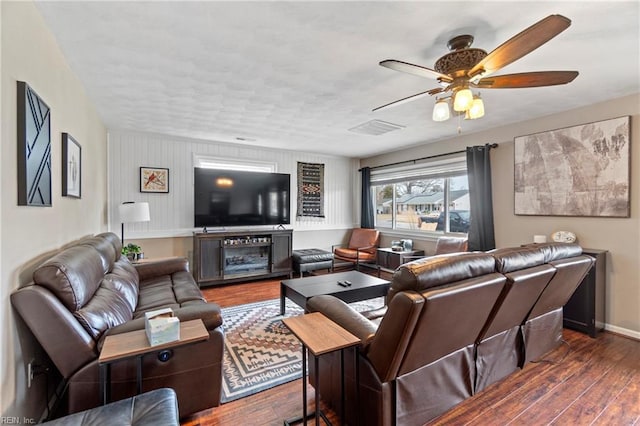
(405, 100)
(521, 44)
(415, 70)
(527, 79)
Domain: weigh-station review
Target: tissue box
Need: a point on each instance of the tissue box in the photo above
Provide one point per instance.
(161, 326)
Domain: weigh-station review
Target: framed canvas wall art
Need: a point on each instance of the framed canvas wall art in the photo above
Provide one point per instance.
(582, 170)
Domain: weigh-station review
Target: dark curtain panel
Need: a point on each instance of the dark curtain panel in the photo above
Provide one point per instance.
(366, 215)
(481, 235)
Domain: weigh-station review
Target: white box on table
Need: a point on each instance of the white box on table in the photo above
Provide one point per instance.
(161, 326)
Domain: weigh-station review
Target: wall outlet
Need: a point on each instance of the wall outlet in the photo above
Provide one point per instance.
(30, 372)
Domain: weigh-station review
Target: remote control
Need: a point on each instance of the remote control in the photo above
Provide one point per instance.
(347, 282)
(342, 284)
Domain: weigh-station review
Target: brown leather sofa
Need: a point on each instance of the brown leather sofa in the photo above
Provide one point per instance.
(88, 291)
(454, 324)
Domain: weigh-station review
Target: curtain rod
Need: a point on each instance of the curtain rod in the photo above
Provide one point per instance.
(490, 145)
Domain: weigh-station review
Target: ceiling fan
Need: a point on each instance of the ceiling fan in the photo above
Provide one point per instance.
(465, 68)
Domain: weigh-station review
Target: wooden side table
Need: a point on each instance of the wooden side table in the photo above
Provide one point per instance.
(135, 344)
(319, 335)
(389, 260)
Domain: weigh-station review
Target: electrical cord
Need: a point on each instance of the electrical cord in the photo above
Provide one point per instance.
(548, 361)
(39, 370)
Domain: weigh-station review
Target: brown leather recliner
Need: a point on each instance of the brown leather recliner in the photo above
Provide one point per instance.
(542, 328)
(361, 248)
(419, 360)
(499, 348)
(444, 245)
(88, 291)
(454, 324)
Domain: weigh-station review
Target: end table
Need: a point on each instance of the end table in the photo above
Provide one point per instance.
(319, 335)
(135, 344)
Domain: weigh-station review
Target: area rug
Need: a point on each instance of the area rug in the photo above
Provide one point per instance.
(259, 351)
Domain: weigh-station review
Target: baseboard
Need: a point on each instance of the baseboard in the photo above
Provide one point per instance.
(623, 331)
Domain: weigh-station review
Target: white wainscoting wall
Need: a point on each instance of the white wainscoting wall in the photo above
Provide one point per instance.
(172, 213)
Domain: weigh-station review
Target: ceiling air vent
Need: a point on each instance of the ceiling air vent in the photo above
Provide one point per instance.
(376, 127)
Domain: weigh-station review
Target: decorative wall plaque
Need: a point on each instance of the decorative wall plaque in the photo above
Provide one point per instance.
(310, 190)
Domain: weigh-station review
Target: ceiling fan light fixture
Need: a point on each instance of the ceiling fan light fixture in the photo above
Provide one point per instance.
(441, 110)
(465, 67)
(462, 99)
(477, 108)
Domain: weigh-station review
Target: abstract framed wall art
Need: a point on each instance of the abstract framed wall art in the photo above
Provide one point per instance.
(34, 148)
(576, 171)
(154, 179)
(71, 167)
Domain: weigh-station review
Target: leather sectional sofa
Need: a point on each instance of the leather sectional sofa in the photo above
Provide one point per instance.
(88, 291)
(453, 325)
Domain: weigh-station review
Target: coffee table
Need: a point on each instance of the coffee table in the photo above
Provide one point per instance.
(363, 287)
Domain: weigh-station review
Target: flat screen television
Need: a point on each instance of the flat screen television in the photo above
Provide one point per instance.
(238, 198)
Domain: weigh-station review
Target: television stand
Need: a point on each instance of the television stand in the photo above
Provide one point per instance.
(222, 257)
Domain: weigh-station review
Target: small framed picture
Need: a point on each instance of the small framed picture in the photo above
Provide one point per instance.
(154, 179)
(71, 167)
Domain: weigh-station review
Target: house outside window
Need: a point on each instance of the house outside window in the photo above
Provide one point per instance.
(427, 198)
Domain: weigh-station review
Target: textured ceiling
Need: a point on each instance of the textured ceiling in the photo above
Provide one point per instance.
(298, 75)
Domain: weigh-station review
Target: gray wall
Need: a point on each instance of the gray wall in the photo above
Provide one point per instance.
(619, 236)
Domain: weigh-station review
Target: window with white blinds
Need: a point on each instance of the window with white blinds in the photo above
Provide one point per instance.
(429, 197)
(221, 163)
(435, 169)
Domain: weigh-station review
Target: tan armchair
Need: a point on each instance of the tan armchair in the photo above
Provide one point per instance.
(444, 245)
(362, 248)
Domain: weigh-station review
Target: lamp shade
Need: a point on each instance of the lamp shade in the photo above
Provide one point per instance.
(441, 110)
(477, 108)
(462, 99)
(134, 212)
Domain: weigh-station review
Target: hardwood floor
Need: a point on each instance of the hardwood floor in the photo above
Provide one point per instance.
(587, 382)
